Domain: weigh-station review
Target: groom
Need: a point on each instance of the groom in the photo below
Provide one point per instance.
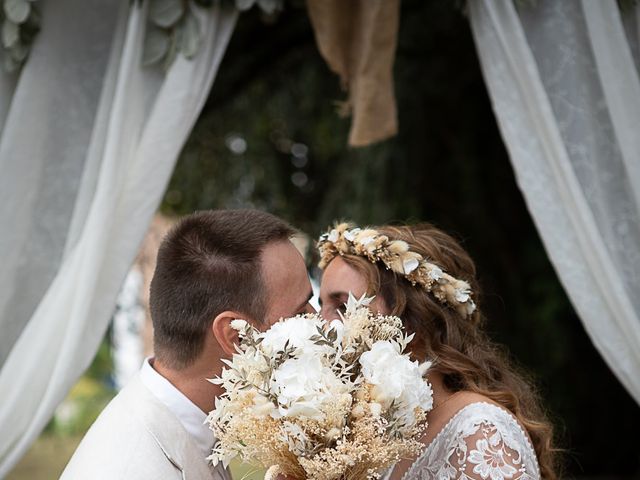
(213, 267)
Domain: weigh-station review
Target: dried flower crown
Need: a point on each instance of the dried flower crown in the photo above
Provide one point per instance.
(347, 239)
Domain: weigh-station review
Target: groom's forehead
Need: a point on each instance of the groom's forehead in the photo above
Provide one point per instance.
(286, 281)
(281, 259)
(284, 271)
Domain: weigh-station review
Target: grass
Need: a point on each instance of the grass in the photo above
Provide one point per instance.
(50, 453)
(46, 458)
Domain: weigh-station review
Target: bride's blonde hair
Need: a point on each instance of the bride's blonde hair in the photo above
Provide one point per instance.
(463, 353)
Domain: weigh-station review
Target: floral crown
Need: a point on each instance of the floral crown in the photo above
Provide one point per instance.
(346, 239)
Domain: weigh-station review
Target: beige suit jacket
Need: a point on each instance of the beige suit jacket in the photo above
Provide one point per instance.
(137, 438)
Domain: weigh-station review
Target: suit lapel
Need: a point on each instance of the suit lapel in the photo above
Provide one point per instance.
(172, 438)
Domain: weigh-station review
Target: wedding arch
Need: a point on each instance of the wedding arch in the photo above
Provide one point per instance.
(109, 105)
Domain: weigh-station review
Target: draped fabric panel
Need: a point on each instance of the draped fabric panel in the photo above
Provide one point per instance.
(563, 79)
(88, 143)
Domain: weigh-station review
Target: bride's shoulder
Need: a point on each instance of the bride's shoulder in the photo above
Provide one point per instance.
(475, 415)
(466, 407)
(472, 405)
(479, 439)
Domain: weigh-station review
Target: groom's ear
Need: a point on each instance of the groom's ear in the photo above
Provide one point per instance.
(226, 336)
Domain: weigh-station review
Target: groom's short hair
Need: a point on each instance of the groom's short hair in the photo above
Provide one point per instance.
(208, 263)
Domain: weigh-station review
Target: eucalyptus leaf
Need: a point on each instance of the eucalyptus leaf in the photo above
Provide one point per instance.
(243, 5)
(10, 64)
(10, 33)
(166, 13)
(191, 36)
(19, 52)
(17, 10)
(156, 45)
(270, 6)
(172, 51)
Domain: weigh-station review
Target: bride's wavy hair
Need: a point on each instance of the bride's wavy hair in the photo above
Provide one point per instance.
(461, 350)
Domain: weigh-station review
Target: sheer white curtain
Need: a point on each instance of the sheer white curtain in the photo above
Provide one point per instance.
(563, 80)
(88, 142)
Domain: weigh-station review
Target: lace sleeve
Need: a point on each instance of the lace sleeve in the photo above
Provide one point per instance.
(485, 453)
(481, 442)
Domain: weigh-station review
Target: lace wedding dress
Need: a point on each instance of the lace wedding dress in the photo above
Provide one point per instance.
(481, 441)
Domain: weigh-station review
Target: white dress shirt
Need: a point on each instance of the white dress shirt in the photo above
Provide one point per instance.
(189, 415)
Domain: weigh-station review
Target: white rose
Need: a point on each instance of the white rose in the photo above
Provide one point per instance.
(395, 378)
(303, 385)
(297, 331)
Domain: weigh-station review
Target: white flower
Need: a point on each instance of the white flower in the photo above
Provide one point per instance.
(252, 362)
(297, 331)
(262, 406)
(356, 321)
(435, 273)
(471, 307)
(409, 265)
(333, 236)
(338, 326)
(294, 437)
(424, 367)
(238, 324)
(375, 408)
(351, 234)
(220, 454)
(366, 240)
(220, 414)
(354, 303)
(396, 379)
(304, 385)
(462, 295)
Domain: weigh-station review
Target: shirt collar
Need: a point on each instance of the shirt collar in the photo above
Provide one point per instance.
(190, 416)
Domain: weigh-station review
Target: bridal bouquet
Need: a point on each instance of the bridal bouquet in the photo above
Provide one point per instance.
(322, 400)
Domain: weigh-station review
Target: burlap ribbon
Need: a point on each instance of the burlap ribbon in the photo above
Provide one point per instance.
(358, 40)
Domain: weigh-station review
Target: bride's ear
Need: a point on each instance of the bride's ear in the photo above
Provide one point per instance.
(226, 336)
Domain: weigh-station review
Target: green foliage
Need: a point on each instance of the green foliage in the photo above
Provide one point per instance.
(173, 27)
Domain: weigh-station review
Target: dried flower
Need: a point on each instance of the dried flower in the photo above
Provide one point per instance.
(327, 401)
(345, 239)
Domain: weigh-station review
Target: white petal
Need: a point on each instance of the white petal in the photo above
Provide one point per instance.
(462, 296)
(365, 241)
(238, 324)
(435, 273)
(351, 234)
(410, 265)
(471, 307)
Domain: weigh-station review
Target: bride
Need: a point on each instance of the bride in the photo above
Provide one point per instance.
(487, 422)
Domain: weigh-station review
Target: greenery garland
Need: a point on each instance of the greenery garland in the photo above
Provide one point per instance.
(20, 24)
(173, 28)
